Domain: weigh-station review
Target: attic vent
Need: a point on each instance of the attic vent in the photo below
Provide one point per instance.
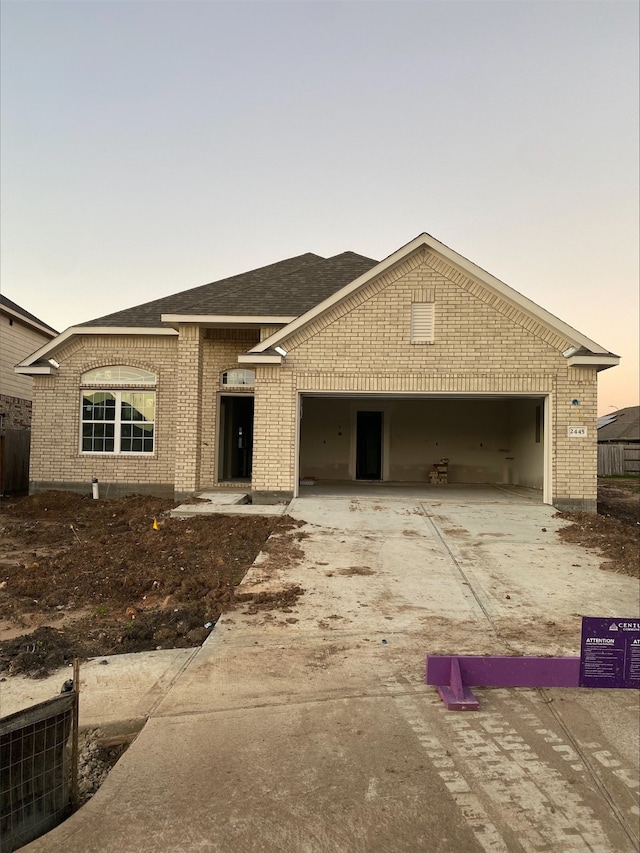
(422, 322)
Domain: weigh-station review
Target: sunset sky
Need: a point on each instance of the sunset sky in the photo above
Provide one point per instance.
(149, 147)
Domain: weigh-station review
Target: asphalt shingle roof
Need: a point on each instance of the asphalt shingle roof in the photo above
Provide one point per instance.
(287, 288)
(623, 425)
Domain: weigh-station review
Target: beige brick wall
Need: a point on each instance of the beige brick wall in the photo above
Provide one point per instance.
(576, 459)
(483, 344)
(188, 409)
(55, 441)
(274, 430)
(189, 369)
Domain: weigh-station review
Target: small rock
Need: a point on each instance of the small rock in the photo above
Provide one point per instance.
(163, 635)
(197, 636)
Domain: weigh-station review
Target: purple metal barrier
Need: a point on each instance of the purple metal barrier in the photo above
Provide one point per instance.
(454, 674)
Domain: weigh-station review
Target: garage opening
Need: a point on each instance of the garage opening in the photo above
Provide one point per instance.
(396, 438)
(236, 437)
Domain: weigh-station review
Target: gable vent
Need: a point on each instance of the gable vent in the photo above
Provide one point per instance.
(422, 322)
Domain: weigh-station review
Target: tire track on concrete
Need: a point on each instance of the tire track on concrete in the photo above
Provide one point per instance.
(592, 837)
(512, 798)
(485, 832)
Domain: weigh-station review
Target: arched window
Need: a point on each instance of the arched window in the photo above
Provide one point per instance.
(238, 377)
(118, 374)
(117, 410)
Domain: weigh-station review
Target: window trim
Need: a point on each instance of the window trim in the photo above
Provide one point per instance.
(245, 371)
(145, 379)
(118, 422)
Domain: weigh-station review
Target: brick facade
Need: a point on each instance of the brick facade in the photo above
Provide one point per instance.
(15, 412)
(483, 344)
(56, 460)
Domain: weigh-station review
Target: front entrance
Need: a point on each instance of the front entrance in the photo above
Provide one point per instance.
(369, 446)
(236, 437)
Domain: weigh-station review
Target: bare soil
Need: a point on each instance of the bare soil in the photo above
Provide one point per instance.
(614, 532)
(82, 578)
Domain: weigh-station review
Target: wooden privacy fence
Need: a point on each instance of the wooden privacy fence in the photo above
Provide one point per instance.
(618, 459)
(14, 460)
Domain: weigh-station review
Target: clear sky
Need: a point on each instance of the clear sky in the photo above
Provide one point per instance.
(149, 147)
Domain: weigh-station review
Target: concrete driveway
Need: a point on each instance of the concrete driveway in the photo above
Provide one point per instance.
(312, 731)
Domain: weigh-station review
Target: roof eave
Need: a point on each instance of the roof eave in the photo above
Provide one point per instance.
(260, 358)
(600, 362)
(73, 331)
(225, 321)
(427, 241)
(27, 321)
(36, 370)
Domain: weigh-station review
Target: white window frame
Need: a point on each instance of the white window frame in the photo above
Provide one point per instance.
(423, 317)
(118, 381)
(120, 375)
(238, 371)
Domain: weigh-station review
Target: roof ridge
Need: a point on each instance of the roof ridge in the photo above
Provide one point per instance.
(233, 282)
(350, 254)
(312, 259)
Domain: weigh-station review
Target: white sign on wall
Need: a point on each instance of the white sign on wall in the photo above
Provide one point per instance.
(576, 431)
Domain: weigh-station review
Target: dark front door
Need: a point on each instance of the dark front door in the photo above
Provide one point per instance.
(369, 446)
(237, 437)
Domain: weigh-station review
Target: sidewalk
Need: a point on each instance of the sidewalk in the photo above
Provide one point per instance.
(312, 731)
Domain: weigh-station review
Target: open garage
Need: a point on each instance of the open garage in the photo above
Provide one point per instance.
(399, 437)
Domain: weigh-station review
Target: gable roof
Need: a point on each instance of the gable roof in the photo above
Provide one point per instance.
(294, 292)
(584, 352)
(14, 310)
(282, 291)
(623, 425)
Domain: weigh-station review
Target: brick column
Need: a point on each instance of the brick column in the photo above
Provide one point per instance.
(188, 411)
(273, 435)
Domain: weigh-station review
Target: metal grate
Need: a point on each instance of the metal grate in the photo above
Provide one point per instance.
(35, 770)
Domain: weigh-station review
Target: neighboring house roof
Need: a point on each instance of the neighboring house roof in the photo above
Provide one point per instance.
(14, 310)
(623, 425)
(285, 289)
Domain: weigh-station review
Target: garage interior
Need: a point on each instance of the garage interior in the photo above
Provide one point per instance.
(396, 438)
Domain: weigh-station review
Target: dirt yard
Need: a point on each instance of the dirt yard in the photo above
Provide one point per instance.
(85, 578)
(615, 531)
